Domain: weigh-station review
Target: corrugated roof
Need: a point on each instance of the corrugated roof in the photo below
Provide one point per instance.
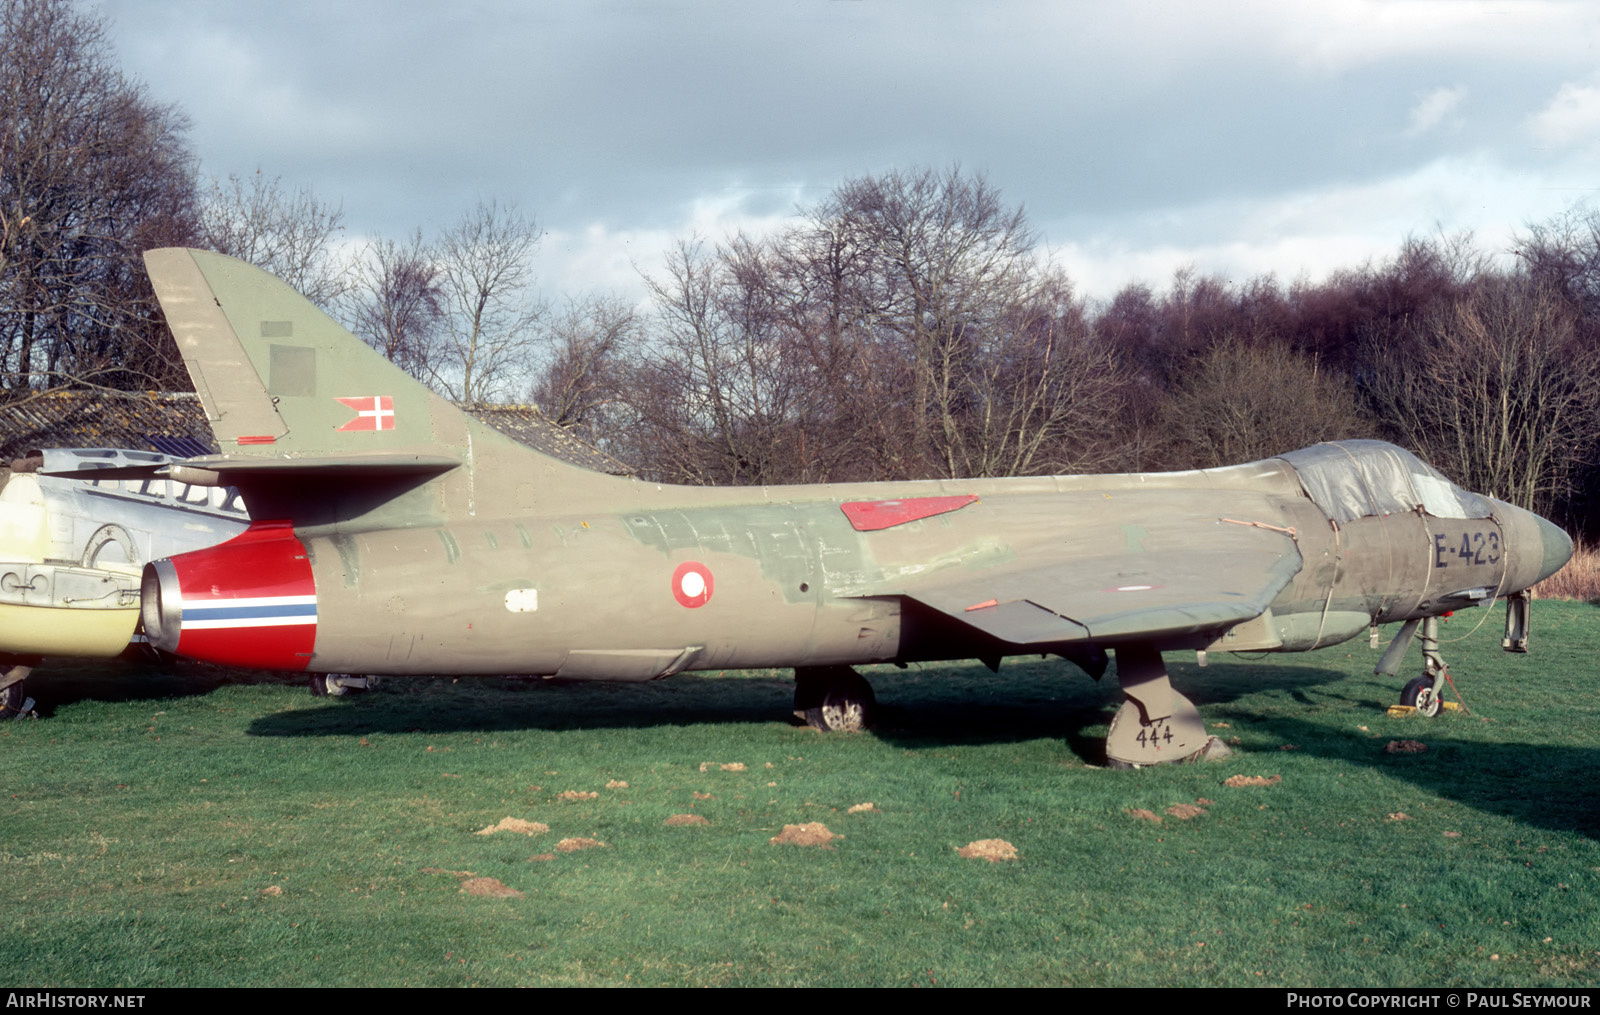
(527, 425)
(175, 423)
(100, 419)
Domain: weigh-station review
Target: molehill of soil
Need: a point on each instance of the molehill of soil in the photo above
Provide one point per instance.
(812, 833)
(992, 850)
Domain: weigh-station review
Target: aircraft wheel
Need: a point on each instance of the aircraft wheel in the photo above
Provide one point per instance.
(12, 699)
(337, 685)
(322, 687)
(1419, 695)
(847, 707)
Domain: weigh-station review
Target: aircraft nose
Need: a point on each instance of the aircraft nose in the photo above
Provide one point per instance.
(1557, 548)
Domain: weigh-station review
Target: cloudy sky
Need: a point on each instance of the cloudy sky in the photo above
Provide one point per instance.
(1238, 137)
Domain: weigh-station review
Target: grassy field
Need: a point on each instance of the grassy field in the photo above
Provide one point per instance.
(191, 828)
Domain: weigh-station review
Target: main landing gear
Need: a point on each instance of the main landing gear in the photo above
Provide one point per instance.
(1156, 724)
(14, 700)
(833, 698)
(334, 685)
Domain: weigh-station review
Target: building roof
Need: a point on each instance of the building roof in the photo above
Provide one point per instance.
(170, 422)
(174, 423)
(527, 425)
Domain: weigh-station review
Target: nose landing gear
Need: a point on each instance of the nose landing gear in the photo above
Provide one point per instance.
(1425, 694)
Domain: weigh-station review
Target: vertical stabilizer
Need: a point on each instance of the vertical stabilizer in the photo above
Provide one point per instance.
(280, 378)
(316, 426)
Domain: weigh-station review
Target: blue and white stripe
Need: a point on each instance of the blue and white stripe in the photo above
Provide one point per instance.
(261, 611)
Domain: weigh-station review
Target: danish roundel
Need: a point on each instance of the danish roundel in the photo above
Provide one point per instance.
(692, 584)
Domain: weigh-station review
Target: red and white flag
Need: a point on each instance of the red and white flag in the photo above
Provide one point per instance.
(373, 412)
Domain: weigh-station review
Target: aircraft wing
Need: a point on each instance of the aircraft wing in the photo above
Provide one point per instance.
(1228, 578)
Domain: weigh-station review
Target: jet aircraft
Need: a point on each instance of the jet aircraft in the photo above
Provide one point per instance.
(395, 535)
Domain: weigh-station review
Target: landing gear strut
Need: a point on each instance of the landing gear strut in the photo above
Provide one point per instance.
(1424, 693)
(1519, 608)
(1156, 724)
(833, 698)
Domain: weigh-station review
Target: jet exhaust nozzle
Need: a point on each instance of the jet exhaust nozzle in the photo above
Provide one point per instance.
(248, 602)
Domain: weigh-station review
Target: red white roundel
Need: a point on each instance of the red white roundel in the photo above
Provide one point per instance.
(692, 584)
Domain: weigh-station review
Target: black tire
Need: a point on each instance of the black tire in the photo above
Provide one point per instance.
(319, 685)
(1418, 693)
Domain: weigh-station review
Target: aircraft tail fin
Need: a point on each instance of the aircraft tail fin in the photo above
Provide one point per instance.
(277, 376)
(293, 396)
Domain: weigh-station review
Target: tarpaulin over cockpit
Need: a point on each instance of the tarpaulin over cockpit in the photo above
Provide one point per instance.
(1361, 478)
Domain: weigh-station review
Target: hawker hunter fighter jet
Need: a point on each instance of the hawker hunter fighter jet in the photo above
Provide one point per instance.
(393, 535)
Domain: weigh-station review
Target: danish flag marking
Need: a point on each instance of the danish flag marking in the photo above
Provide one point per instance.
(373, 412)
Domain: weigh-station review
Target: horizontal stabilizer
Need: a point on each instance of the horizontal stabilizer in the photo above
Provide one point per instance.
(228, 469)
(396, 463)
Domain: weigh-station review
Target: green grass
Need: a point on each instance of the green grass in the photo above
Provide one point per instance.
(148, 811)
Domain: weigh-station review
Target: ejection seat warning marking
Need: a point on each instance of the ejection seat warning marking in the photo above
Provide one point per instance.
(692, 584)
(522, 600)
(373, 412)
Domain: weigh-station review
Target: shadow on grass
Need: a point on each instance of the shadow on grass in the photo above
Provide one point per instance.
(929, 706)
(61, 682)
(1548, 786)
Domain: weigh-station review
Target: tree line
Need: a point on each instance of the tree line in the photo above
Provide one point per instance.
(908, 325)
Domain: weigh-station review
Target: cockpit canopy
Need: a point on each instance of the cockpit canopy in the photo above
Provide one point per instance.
(1357, 479)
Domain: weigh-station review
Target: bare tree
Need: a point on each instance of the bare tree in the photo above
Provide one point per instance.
(1041, 396)
(1243, 401)
(396, 302)
(946, 260)
(288, 233)
(731, 396)
(1498, 391)
(591, 344)
(1563, 254)
(903, 330)
(490, 306)
(91, 173)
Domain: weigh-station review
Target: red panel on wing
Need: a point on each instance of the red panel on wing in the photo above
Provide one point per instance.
(871, 515)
